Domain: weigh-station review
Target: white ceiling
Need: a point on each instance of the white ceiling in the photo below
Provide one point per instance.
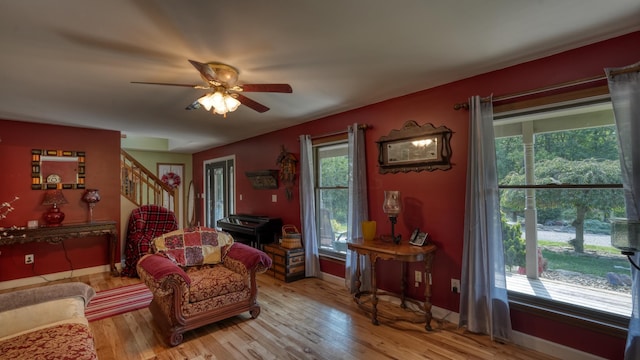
(70, 62)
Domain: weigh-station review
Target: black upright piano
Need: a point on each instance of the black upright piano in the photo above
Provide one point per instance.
(252, 230)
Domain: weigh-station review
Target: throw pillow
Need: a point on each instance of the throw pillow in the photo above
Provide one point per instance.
(194, 246)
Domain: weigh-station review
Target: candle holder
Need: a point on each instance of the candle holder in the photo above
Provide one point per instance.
(91, 197)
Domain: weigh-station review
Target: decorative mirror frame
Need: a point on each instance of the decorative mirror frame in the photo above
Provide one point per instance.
(415, 148)
(38, 180)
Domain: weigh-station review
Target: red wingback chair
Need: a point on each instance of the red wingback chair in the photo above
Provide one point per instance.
(145, 223)
(199, 276)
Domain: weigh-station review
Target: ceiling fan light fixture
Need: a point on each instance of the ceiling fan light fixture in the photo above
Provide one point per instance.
(219, 102)
(231, 103)
(217, 99)
(206, 101)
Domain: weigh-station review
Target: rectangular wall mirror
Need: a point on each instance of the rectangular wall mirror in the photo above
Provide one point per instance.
(57, 169)
(415, 148)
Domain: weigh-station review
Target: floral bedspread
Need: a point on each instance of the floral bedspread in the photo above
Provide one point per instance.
(70, 341)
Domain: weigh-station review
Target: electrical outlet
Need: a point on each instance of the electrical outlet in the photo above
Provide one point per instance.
(418, 276)
(28, 259)
(455, 285)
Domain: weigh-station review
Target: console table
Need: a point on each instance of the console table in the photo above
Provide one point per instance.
(57, 234)
(404, 252)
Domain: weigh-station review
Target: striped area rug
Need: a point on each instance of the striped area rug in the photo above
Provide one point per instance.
(118, 301)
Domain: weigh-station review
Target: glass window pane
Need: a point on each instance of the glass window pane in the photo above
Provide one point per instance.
(557, 241)
(332, 197)
(333, 166)
(219, 194)
(332, 224)
(575, 261)
(509, 156)
(583, 156)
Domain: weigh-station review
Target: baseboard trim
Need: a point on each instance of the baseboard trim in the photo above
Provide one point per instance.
(34, 280)
(550, 348)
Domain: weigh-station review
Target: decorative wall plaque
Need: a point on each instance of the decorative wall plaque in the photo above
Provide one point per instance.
(415, 148)
(265, 179)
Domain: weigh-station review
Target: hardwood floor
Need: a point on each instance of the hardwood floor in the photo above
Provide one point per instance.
(306, 319)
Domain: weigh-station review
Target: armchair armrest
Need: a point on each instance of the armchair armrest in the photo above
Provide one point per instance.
(20, 298)
(250, 257)
(159, 267)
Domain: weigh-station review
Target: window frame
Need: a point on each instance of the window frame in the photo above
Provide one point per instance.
(338, 139)
(611, 324)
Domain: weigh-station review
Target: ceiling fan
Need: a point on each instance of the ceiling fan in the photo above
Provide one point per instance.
(225, 95)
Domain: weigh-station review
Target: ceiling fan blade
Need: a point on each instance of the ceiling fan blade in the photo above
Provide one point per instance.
(194, 105)
(251, 103)
(280, 88)
(204, 70)
(167, 84)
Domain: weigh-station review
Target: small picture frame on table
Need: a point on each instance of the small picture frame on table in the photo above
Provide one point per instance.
(420, 239)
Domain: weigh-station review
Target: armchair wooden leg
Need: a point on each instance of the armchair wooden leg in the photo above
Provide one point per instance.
(255, 312)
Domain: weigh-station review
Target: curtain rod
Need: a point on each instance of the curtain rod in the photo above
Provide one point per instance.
(361, 126)
(465, 105)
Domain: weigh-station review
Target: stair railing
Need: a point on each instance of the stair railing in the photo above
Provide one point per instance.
(143, 187)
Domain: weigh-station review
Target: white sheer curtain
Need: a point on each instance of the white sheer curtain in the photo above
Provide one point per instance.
(308, 208)
(484, 307)
(358, 206)
(625, 97)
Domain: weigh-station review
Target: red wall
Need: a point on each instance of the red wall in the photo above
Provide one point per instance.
(102, 148)
(437, 198)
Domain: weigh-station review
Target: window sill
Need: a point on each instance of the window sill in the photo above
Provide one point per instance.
(333, 255)
(554, 301)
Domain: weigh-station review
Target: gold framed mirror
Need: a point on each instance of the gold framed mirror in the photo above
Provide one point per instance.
(57, 169)
(415, 148)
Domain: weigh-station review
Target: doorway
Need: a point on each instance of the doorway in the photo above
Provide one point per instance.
(219, 189)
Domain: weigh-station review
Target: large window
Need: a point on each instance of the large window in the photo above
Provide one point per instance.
(559, 178)
(332, 196)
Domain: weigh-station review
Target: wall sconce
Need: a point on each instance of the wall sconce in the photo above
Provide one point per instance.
(91, 197)
(54, 216)
(391, 207)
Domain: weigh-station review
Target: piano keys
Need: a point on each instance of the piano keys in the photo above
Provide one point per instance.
(253, 230)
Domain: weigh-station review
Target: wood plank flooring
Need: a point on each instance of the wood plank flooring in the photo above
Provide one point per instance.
(306, 319)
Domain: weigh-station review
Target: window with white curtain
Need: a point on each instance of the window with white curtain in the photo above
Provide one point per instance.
(332, 196)
(560, 185)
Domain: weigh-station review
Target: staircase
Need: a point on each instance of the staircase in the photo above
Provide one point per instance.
(142, 187)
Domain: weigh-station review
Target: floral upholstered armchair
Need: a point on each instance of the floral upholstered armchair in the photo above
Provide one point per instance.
(199, 276)
(145, 223)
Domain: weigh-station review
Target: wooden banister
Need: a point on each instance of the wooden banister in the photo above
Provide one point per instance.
(143, 187)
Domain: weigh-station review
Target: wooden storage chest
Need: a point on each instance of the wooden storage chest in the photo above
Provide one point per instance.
(288, 264)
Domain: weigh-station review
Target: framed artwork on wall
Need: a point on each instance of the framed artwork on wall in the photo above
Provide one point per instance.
(173, 176)
(415, 148)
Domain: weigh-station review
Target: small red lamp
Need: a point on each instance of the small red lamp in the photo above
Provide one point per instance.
(91, 197)
(54, 216)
